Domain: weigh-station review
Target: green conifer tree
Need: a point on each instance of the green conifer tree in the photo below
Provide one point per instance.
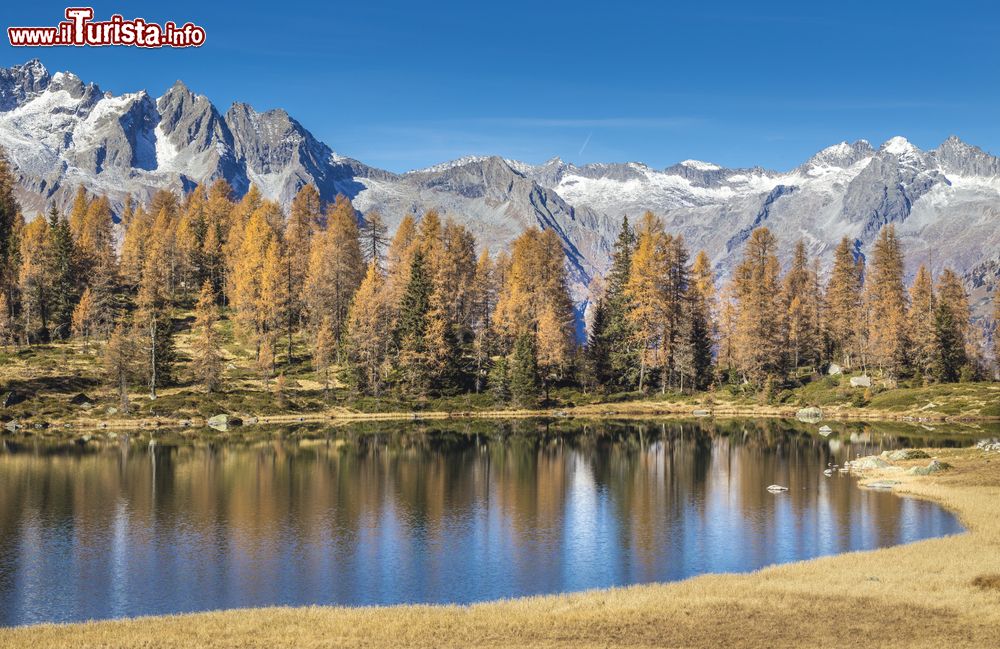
(61, 262)
(412, 330)
(949, 353)
(598, 352)
(524, 379)
(623, 352)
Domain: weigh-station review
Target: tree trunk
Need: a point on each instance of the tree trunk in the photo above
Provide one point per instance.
(152, 361)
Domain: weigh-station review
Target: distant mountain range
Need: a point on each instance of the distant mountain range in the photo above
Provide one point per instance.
(60, 132)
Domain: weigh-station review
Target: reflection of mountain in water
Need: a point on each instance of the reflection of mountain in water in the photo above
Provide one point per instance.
(425, 514)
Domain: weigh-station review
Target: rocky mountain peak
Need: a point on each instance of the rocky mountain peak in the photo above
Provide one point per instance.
(60, 133)
(700, 165)
(962, 159)
(75, 87)
(843, 154)
(899, 146)
(20, 83)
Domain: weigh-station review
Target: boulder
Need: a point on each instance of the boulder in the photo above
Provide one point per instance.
(834, 370)
(701, 413)
(82, 400)
(825, 431)
(811, 415)
(12, 426)
(989, 445)
(224, 422)
(870, 462)
(861, 381)
(112, 410)
(905, 454)
(775, 489)
(933, 467)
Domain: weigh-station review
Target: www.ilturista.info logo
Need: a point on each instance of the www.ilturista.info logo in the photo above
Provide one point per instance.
(80, 29)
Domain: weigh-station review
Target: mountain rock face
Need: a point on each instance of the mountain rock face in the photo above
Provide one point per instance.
(60, 132)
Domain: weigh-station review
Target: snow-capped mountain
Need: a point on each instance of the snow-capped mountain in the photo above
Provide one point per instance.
(60, 132)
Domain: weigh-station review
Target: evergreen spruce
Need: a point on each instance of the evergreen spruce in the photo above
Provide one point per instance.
(623, 353)
(411, 333)
(10, 213)
(524, 380)
(62, 268)
(598, 352)
(498, 381)
(949, 356)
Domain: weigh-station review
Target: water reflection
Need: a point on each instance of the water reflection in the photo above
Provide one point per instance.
(355, 517)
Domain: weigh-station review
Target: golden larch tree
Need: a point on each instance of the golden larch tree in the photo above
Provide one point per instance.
(844, 313)
(247, 282)
(886, 302)
(758, 339)
(921, 333)
(335, 267)
(206, 361)
(368, 338)
(645, 292)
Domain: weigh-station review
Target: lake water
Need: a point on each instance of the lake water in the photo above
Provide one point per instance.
(397, 513)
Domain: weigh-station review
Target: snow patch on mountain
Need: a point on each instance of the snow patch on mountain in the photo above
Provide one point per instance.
(701, 166)
(60, 132)
(166, 153)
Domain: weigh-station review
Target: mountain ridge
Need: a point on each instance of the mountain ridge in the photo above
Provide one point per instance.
(60, 132)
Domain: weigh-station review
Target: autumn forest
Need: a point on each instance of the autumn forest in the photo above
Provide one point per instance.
(427, 312)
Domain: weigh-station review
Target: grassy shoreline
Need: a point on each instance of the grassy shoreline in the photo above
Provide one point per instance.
(943, 591)
(38, 386)
(703, 405)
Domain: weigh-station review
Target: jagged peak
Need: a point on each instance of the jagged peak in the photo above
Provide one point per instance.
(955, 142)
(242, 108)
(20, 83)
(31, 66)
(958, 157)
(451, 164)
(180, 95)
(899, 146)
(842, 154)
(251, 113)
(700, 165)
(179, 88)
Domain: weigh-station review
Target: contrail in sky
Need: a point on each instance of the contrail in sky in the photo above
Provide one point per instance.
(585, 143)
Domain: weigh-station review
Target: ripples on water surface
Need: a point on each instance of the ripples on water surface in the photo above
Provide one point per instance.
(426, 515)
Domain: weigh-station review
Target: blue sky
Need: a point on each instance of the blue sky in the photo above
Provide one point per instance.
(402, 85)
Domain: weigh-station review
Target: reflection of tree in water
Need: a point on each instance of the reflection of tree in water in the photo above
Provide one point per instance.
(319, 508)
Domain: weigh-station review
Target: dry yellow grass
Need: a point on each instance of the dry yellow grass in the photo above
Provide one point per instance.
(935, 593)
